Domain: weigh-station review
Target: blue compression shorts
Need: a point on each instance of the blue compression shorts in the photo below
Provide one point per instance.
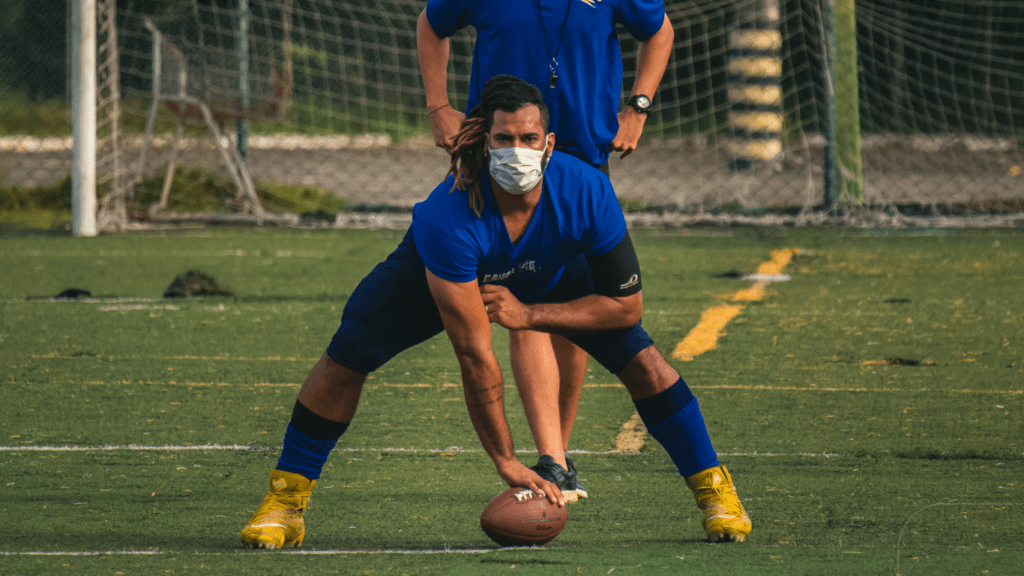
(392, 310)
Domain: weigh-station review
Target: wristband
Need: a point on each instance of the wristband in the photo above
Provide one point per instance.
(431, 112)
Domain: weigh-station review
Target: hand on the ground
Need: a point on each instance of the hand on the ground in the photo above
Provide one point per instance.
(444, 124)
(503, 308)
(518, 476)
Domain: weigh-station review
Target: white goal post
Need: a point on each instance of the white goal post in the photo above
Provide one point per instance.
(83, 115)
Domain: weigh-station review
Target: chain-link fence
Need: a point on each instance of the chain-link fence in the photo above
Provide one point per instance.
(33, 85)
(33, 61)
(333, 98)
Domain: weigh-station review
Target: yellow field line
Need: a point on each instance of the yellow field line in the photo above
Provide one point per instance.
(704, 337)
(630, 438)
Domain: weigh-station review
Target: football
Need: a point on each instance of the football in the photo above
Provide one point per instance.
(520, 517)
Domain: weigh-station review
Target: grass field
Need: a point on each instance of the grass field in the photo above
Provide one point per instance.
(870, 411)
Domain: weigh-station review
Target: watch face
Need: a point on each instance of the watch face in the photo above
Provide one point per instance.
(643, 102)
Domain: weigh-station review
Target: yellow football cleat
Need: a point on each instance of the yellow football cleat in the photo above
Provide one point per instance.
(724, 518)
(279, 521)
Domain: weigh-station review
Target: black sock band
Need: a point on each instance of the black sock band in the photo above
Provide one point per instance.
(314, 426)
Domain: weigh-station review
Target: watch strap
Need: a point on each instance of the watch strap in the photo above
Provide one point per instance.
(634, 103)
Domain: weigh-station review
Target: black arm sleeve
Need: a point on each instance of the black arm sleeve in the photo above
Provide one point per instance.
(616, 272)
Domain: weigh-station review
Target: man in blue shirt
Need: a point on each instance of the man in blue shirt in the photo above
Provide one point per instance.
(570, 49)
(514, 243)
(567, 48)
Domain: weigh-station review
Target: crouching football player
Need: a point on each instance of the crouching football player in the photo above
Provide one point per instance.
(526, 238)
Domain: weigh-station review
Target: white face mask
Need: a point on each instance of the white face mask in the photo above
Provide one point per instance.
(517, 170)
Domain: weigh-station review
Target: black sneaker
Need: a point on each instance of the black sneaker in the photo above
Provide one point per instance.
(553, 472)
(574, 475)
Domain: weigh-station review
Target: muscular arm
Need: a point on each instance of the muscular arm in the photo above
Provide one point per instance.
(588, 314)
(617, 304)
(650, 63)
(433, 52)
(652, 59)
(465, 321)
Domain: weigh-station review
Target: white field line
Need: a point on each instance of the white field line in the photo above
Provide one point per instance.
(438, 551)
(300, 552)
(56, 300)
(314, 552)
(451, 450)
(130, 448)
(85, 553)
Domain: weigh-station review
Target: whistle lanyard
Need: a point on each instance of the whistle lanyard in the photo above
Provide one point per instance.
(553, 77)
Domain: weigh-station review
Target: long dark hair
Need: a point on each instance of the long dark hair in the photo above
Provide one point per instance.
(505, 93)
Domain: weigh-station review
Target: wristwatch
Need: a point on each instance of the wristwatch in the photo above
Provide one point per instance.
(640, 103)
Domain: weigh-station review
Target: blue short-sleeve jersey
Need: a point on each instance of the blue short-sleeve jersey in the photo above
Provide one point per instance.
(578, 213)
(511, 40)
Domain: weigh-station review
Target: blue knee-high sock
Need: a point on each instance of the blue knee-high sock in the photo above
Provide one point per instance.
(308, 442)
(673, 417)
(304, 455)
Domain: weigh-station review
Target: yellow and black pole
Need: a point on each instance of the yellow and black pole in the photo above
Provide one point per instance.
(755, 88)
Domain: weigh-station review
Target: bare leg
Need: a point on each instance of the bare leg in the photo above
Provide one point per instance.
(549, 372)
(332, 391)
(647, 374)
(723, 519)
(572, 369)
(536, 373)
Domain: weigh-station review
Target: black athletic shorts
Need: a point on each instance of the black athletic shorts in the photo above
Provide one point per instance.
(392, 309)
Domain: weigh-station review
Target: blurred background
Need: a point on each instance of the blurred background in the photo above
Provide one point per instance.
(768, 108)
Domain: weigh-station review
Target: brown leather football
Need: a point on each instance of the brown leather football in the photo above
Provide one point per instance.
(520, 517)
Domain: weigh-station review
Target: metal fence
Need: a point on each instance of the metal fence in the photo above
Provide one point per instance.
(940, 107)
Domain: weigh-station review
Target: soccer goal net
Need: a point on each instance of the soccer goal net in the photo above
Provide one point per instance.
(770, 110)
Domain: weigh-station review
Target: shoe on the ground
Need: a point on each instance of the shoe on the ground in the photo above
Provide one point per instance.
(575, 478)
(553, 472)
(724, 519)
(278, 522)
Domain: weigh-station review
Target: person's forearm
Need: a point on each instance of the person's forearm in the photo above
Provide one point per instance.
(588, 314)
(652, 60)
(433, 56)
(484, 392)
(465, 322)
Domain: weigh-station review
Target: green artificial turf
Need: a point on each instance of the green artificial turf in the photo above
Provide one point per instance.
(873, 400)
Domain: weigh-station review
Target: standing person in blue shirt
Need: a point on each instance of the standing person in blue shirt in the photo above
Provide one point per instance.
(511, 237)
(567, 48)
(570, 49)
